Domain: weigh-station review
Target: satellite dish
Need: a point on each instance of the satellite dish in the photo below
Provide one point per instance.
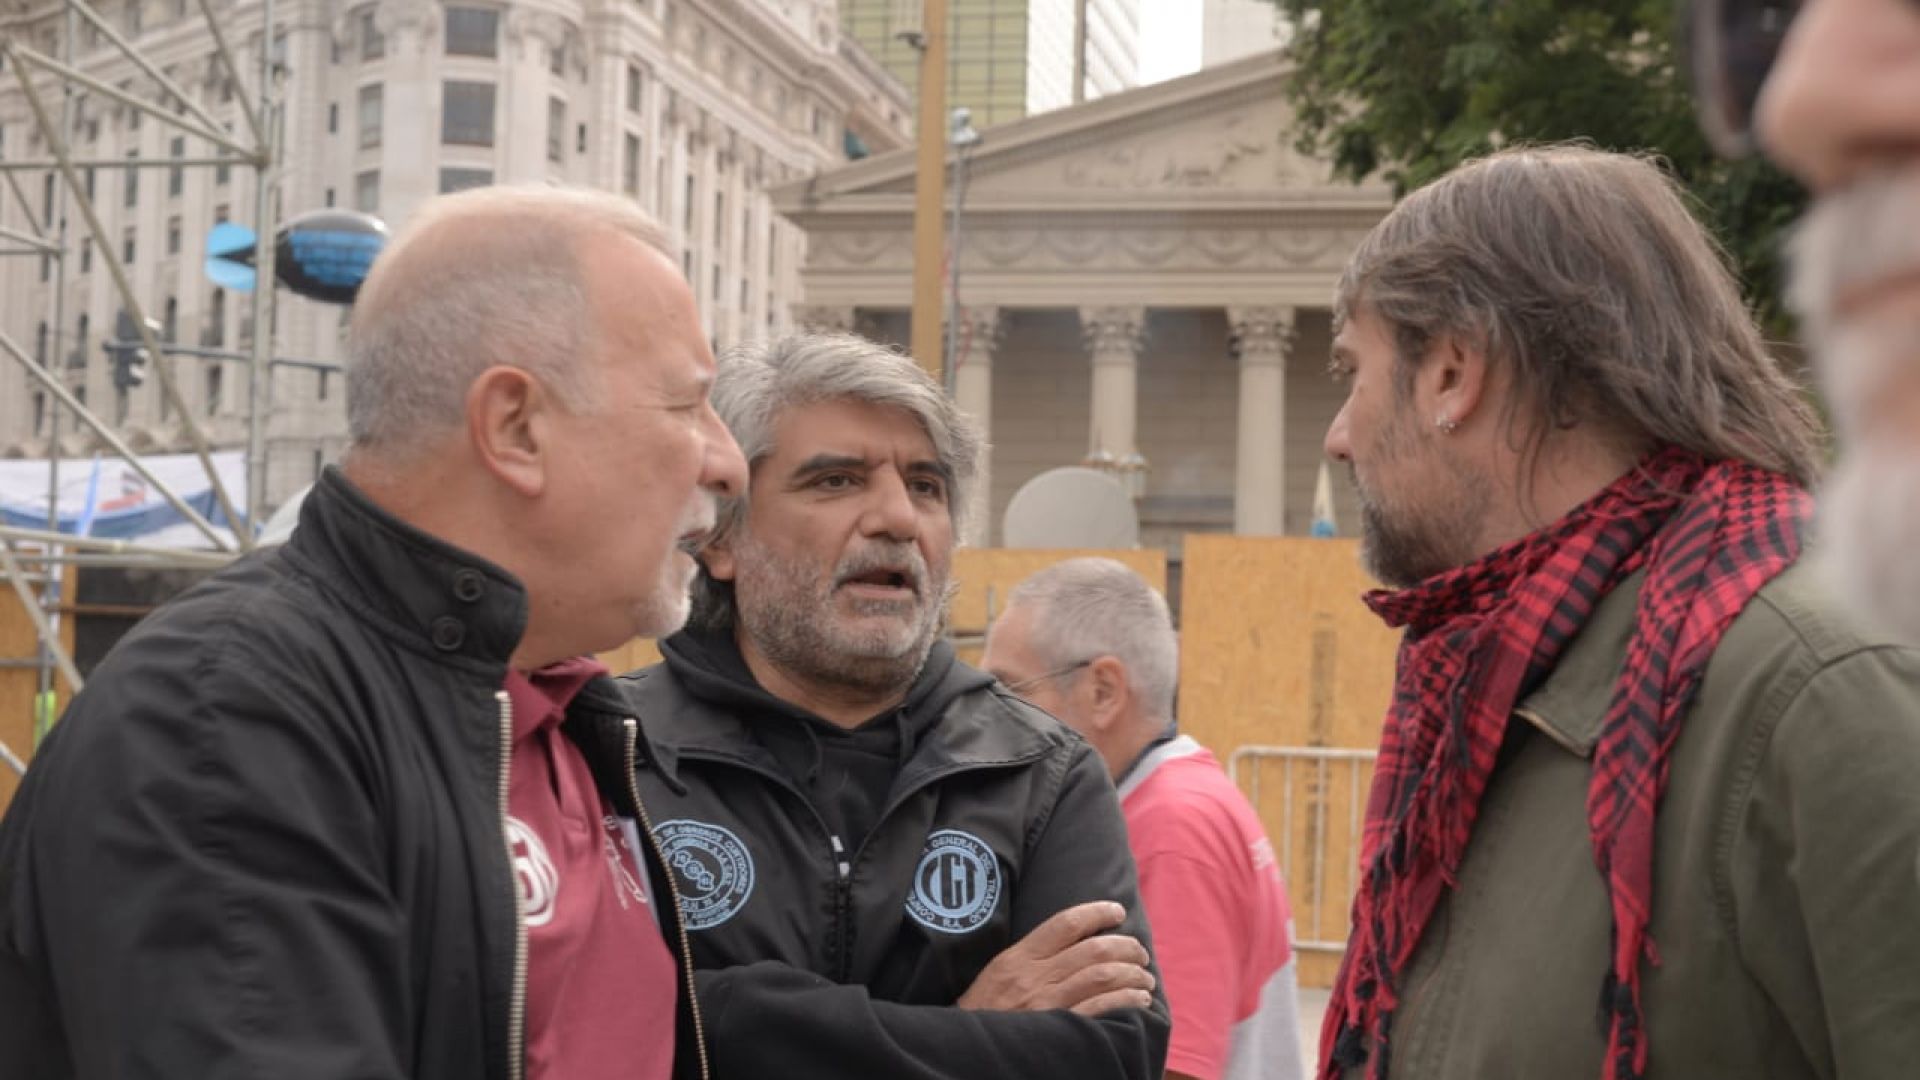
(1072, 507)
(280, 525)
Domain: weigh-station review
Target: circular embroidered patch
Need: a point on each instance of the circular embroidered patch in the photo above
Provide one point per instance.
(956, 887)
(712, 872)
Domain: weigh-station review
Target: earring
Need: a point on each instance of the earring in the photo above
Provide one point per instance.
(1447, 425)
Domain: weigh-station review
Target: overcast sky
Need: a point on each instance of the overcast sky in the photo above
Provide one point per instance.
(1169, 39)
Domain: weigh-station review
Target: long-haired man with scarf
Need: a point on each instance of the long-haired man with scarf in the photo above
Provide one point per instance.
(1647, 805)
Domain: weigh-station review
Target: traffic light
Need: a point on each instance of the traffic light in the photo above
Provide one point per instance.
(124, 351)
(129, 362)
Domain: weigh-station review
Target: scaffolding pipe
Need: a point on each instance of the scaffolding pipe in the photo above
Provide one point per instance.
(42, 164)
(105, 544)
(148, 339)
(48, 638)
(146, 66)
(119, 446)
(221, 49)
(259, 386)
(48, 64)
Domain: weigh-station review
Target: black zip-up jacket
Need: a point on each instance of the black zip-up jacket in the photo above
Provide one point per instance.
(818, 957)
(267, 839)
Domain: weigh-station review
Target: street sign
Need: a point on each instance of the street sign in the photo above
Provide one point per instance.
(230, 256)
(325, 254)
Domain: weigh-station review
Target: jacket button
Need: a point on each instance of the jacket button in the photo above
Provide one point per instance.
(468, 585)
(448, 633)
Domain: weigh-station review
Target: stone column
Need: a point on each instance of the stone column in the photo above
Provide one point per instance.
(1113, 336)
(1261, 337)
(981, 329)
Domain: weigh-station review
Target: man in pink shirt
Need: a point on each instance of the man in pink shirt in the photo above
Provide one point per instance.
(1093, 644)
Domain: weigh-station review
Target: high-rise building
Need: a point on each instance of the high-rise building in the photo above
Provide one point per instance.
(1008, 58)
(691, 107)
(1231, 29)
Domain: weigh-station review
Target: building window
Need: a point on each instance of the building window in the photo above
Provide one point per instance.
(216, 376)
(366, 192)
(91, 197)
(173, 235)
(556, 129)
(329, 197)
(333, 118)
(221, 213)
(686, 212)
(131, 188)
(372, 104)
(452, 180)
(176, 176)
(373, 44)
(40, 343)
(126, 248)
(580, 139)
(78, 358)
(633, 88)
(86, 254)
(473, 31)
(215, 334)
(719, 221)
(39, 412)
(170, 326)
(557, 60)
(466, 114)
(630, 166)
(223, 172)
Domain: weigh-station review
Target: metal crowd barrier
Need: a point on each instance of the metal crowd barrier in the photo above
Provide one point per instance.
(1311, 933)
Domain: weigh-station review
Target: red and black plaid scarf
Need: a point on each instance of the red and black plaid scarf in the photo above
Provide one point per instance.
(1479, 639)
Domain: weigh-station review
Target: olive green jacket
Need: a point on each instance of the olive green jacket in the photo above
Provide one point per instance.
(1786, 880)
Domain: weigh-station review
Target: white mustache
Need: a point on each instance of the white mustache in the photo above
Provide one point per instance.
(697, 525)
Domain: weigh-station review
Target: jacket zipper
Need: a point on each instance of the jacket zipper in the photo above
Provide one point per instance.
(842, 910)
(517, 1006)
(632, 727)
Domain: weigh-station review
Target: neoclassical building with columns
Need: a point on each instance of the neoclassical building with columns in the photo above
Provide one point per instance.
(1150, 273)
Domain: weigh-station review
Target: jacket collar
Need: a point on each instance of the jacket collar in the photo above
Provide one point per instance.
(1571, 705)
(980, 727)
(432, 595)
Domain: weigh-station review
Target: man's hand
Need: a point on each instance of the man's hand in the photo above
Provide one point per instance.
(1062, 964)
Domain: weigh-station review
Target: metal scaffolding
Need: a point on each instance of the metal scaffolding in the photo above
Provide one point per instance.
(36, 557)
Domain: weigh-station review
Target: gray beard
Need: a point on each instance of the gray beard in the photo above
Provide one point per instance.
(791, 623)
(1869, 530)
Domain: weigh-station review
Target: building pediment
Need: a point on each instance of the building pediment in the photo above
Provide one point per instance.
(1223, 136)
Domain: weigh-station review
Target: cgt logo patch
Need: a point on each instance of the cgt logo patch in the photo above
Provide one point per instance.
(956, 887)
(712, 872)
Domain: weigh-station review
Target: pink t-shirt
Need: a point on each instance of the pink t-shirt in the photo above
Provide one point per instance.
(1222, 931)
(601, 982)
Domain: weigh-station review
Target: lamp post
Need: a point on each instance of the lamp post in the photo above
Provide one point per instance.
(962, 137)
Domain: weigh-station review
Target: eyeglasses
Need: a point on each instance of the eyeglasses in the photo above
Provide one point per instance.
(1024, 685)
(1731, 46)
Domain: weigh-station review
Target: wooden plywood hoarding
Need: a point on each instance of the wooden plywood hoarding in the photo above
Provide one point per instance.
(20, 678)
(1277, 651)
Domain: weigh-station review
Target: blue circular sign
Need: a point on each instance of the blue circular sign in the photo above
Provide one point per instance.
(956, 886)
(712, 872)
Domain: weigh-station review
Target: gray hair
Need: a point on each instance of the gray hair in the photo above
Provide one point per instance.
(1089, 607)
(1583, 274)
(486, 276)
(758, 381)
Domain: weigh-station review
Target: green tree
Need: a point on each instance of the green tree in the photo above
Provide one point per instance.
(1410, 88)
